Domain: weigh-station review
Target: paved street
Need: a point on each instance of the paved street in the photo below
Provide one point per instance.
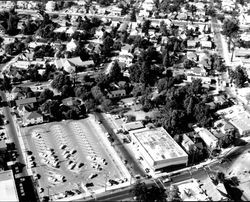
(12, 134)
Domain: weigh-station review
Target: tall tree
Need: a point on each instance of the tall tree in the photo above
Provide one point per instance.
(231, 29)
(133, 15)
(59, 81)
(115, 73)
(146, 26)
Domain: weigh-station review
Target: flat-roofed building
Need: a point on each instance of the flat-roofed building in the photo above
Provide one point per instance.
(158, 148)
(210, 140)
(133, 125)
(187, 143)
(8, 190)
(238, 117)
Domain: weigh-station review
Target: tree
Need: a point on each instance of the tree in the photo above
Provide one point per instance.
(231, 29)
(107, 45)
(46, 94)
(148, 194)
(6, 83)
(90, 105)
(115, 72)
(133, 15)
(174, 194)
(146, 26)
(239, 76)
(82, 92)
(131, 118)
(12, 23)
(106, 104)
(59, 81)
(146, 77)
(52, 107)
(67, 91)
(97, 94)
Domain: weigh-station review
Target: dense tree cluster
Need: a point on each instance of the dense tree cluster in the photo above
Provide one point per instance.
(239, 76)
(14, 48)
(181, 107)
(144, 193)
(43, 51)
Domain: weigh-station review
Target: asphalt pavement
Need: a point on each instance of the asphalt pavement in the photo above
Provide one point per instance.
(121, 150)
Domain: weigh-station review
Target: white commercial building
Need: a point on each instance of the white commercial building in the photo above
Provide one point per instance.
(8, 190)
(210, 140)
(158, 148)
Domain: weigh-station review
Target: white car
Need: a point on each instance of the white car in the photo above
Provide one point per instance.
(59, 196)
(52, 179)
(71, 166)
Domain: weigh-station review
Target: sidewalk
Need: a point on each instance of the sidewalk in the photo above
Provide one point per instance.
(22, 145)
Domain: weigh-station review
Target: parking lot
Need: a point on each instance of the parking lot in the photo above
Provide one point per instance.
(67, 156)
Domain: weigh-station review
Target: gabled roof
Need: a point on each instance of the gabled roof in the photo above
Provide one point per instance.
(71, 101)
(33, 115)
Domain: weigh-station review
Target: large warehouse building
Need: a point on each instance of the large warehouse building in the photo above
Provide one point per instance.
(158, 148)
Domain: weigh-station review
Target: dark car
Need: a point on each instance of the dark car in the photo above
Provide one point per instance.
(89, 184)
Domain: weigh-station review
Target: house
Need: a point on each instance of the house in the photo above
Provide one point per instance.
(70, 64)
(224, 126)
(116, 94)
(192, 56)
(116, 11)
(241, 52)
(70, 31)
(123, 27)
(60, 29)
(31, 118)
(71, 101)
(126, 49)
(72, 45)
(126, 58)
(206, 44)
(148, 5)
(191, 43)
(197, 71)
(26, 102)
(22, 110)
(50, 6)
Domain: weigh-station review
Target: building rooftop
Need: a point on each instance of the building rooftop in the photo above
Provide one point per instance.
(133, 125)
(8, 190)
(237, 116)
(159, 144)
(25, 101)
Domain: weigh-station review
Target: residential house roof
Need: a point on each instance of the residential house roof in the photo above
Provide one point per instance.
(191, 43)
(206, 44)
(192, 56)
(123, 27)
(32, 115)
(127, 48)
(70, 101)
(17, 89)
(70, 63)
(25, 101)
